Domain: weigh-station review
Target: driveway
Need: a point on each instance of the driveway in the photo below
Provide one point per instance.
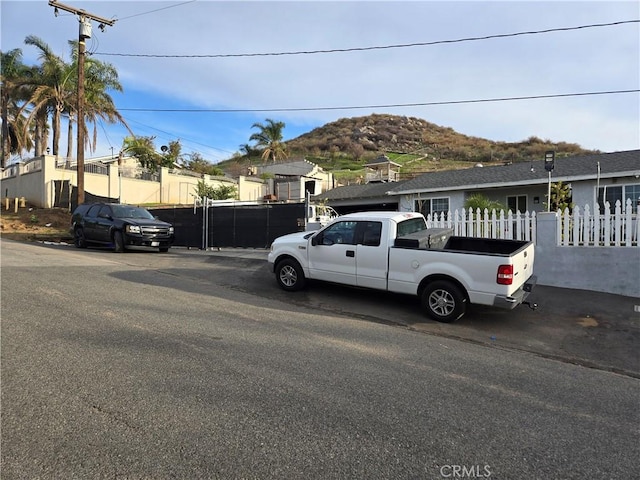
(594, 329)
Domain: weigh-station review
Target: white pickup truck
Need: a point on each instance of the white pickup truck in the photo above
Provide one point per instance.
(395, 251)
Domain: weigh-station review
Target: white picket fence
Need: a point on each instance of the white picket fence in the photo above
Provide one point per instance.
(595, 229)
(485, 224)
(580, 227)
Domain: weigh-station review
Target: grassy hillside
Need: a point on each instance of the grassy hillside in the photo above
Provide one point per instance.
(345, 145)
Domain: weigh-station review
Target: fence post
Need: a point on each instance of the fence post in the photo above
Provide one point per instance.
(576, 225)
(547, 244)
(607, 224)
(628, 224)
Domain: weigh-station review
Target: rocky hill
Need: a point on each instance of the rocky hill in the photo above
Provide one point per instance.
(345, 145)
(376, 134)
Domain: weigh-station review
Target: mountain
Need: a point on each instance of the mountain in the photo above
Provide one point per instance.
(419, 146)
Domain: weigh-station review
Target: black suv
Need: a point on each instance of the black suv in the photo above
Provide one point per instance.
(119, 226)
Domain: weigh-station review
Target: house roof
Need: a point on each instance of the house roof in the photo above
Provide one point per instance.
(566, 169)
(296, 168)
(524, 173)
(381, 160)
(348, 192)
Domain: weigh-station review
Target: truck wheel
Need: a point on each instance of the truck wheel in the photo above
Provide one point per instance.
(289, 275)
(79, 239)
(443, 301)
(118, 242)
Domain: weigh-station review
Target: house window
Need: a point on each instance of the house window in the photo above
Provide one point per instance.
(430, 206)
(517, 203)
(622, 193)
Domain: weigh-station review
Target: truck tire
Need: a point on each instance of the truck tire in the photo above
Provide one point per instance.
(289, 275)
(443, 301)
(118, 242)
(79, 239)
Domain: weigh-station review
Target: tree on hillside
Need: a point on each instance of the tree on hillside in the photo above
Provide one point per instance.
(269, 140)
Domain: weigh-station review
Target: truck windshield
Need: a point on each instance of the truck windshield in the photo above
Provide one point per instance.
(411, 225)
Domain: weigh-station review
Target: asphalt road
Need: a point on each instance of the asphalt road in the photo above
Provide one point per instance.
(189, 365)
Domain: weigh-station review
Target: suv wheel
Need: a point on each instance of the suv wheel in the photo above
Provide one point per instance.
(79, 239)
(118, 242)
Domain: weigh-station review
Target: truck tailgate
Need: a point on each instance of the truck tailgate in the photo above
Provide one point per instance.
(522, 261)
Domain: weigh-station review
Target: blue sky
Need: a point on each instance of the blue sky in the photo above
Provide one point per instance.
(218, 66)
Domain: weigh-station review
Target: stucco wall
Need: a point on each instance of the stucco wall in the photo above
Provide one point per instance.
(34, 180)
(602, 269)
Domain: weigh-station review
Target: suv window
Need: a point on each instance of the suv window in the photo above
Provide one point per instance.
(93, 211)
(105, 211)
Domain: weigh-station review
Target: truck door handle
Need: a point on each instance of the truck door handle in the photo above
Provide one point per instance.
(351, 253)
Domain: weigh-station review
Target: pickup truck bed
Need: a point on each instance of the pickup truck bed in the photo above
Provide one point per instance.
(484, 245)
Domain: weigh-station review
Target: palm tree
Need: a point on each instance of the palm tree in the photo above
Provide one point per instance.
(98, 104)
(246, 150)
(144, 150)
(269, 140)
(53, 88)
(14, 94)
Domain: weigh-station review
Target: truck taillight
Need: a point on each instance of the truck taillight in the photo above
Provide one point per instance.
(505, 275)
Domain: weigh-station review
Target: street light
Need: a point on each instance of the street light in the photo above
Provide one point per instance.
(549, 164)
(549, 160)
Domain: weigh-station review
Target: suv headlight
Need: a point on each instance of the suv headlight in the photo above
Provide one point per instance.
(133, 229)
(171, 230)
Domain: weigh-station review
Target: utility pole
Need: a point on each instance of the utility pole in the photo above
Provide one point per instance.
(85, 32)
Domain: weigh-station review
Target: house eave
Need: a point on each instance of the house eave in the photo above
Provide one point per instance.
(520, 183)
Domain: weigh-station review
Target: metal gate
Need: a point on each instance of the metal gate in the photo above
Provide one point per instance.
(249, 226)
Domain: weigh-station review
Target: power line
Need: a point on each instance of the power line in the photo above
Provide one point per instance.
(156, 10)
(382, 47)
(396, 105)
(182, 138)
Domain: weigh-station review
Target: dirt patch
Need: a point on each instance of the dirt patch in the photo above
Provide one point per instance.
(588, 322)
(34, 224)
